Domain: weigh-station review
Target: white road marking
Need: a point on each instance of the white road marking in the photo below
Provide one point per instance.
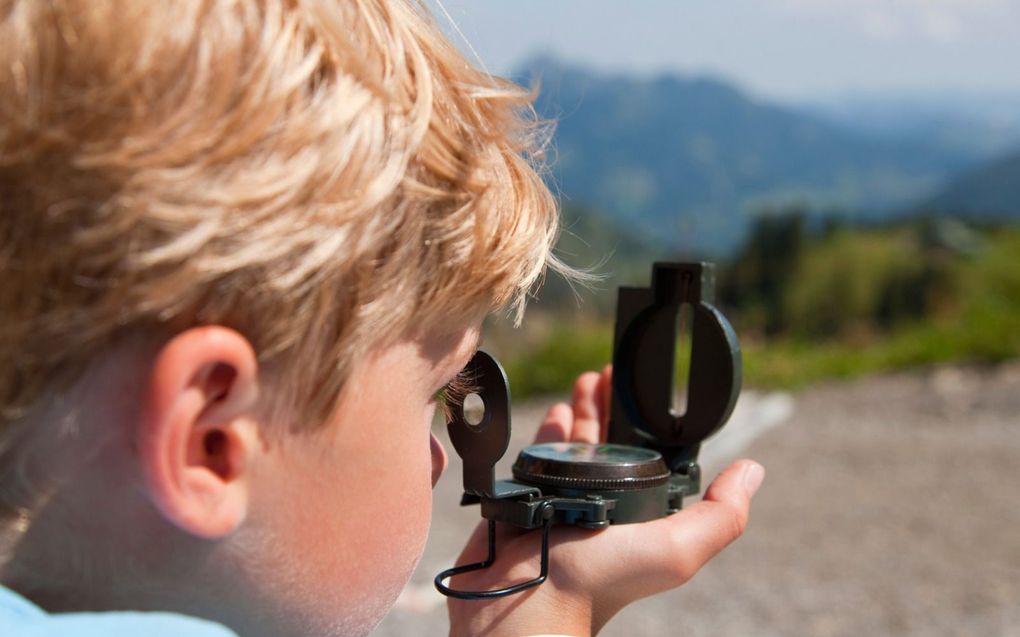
(754, 414)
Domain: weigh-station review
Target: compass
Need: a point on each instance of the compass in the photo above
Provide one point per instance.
(649, 463)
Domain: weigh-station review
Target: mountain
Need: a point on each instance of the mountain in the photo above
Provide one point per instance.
(990, 191)
(681, 161)
(988, 123)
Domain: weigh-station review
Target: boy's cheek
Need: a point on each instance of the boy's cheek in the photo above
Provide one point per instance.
(439, 458)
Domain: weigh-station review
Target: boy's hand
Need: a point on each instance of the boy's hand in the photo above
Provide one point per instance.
(594, 574)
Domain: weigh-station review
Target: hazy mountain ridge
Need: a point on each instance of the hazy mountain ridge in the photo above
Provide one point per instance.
(988, 124)
(990, 191)
(682, 161)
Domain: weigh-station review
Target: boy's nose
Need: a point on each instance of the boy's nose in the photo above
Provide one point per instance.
(438, 458)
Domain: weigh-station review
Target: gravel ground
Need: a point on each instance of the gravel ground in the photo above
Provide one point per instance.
(891, 507)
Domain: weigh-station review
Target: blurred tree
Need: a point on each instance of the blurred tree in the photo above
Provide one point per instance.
(756, 280)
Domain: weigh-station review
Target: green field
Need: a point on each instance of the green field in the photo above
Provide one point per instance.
(855, 302)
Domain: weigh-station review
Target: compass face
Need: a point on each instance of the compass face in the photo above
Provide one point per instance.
(580, 465)
(592, 454)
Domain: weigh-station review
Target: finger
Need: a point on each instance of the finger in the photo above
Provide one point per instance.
(604, 394)
(556, 427)
(669, 551)
(586, 410)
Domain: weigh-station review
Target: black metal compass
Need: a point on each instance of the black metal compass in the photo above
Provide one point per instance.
(650, 462)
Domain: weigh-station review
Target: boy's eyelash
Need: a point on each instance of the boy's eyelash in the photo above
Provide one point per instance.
(453, 393)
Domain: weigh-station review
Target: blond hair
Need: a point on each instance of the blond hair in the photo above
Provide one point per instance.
(319, 175)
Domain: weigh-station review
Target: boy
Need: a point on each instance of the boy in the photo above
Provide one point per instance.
(243, 245)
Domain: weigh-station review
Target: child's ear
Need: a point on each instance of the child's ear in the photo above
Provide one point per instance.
(196, 431)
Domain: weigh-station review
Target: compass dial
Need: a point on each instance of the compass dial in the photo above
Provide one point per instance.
(581, 465)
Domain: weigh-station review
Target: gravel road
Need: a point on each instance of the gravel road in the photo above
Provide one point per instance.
(891, 507)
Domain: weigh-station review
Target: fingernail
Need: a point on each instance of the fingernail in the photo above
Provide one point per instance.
(753, 476)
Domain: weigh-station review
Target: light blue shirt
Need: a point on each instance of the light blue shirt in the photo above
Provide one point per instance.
(21, 618)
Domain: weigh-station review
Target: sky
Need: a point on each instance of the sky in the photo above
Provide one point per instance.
(794, 50)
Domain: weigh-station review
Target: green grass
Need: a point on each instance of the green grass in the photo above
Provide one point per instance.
(566, 352)
(791, 364)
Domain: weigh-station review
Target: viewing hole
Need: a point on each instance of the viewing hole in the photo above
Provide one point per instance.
(474, 409)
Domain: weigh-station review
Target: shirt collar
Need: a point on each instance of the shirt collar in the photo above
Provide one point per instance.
(13, 604)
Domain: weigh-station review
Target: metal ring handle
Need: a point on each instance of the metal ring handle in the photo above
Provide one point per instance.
(487, 562)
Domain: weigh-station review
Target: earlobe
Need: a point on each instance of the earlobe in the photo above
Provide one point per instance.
(196, 432)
